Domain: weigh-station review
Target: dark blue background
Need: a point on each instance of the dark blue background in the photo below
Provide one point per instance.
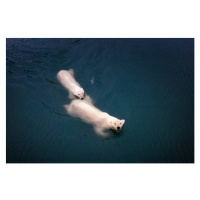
(147, 82)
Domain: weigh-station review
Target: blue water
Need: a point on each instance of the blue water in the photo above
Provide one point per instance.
(147, 82)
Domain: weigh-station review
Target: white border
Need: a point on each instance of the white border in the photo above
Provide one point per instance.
(99, 19)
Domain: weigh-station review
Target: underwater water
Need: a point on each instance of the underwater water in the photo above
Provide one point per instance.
(147, 82)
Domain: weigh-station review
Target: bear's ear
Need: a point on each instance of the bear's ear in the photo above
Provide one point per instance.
(123, 121)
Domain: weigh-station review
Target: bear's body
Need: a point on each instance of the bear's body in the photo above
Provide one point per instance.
(66, 78)
(92, 115)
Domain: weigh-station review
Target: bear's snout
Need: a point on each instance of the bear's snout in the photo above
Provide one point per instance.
(118, 128)
(82, 98)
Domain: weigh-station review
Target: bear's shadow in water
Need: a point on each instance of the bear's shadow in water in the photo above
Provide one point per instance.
(113, 135)
(116, 135)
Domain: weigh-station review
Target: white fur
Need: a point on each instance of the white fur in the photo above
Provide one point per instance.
(67, 80)
(92, 115)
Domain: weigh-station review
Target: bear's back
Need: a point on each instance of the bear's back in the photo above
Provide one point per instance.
(85, 111)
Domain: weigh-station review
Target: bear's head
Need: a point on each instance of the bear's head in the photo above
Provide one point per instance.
(116, 124)
(79, 92)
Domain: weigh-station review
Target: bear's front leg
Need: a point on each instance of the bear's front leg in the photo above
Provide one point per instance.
(71, 96)
(101, 132)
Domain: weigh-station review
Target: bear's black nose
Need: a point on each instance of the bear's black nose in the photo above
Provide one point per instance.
(118, 127)
(82, 98)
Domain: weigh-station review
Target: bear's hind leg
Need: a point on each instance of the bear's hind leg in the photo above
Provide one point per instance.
(66, 107)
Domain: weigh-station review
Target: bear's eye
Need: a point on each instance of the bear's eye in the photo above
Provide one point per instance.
(120, 123)
(78, 94)
(115, 123)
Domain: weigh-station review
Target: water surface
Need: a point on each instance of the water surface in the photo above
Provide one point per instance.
(147, 82)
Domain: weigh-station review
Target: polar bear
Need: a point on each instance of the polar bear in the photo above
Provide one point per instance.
(92, 115)
(66, 78)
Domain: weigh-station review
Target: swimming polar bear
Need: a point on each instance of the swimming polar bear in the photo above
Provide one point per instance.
(92, 115)
(67, 80)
